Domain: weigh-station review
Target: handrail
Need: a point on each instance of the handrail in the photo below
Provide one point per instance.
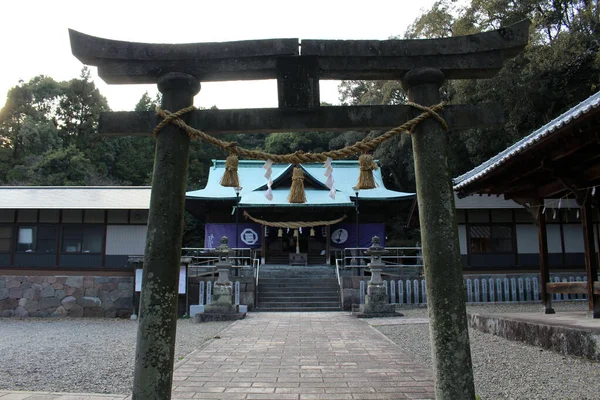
(339, 279)
(257, 270)
(355, 257)
(242, 256)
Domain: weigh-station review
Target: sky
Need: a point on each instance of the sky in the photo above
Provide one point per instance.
(35, 41)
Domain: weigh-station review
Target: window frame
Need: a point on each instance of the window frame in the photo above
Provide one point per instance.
(11, 238)
(100, 228)
(37, 227)
(491, 226)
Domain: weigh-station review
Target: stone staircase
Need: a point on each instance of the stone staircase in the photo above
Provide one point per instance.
(298, 288)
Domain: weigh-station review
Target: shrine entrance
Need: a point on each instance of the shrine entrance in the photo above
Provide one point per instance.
(422, 66)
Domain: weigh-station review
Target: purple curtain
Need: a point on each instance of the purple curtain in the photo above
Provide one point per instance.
(249, 235)
(344, 235)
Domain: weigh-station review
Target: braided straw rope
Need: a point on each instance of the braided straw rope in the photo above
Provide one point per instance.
(360, 147)
(293, 225)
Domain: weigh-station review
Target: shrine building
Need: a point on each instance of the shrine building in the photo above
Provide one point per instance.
(336, 218)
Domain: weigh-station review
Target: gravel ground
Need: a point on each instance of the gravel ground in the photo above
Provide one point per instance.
(505, 369)
(81, 355)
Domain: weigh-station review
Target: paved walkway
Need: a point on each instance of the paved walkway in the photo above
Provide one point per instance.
(298, 356)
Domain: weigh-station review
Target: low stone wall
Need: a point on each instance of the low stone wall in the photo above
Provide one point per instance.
(562, 339)
(66, 296)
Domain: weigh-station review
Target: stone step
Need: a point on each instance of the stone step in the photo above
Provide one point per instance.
(300, 309)
(306, 287)
(296, 291)
(292, 299)
(296, 275)
(297, 281)
(297, 304)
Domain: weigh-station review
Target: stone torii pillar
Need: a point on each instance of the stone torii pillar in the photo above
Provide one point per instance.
(448, 326)
(157, 326)
(422, 65)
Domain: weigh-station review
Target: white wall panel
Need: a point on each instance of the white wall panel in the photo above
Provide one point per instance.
(527, 239)
(554, 244)
(573, 238)
(126, 239)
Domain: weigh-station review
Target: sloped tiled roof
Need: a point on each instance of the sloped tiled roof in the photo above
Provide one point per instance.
(75, 197)
(252, 180)
(522, 145)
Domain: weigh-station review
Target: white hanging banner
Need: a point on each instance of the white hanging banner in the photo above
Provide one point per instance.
(269, 171)
(330, 182)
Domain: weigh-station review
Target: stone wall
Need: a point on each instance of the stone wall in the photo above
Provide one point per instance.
(66, 296)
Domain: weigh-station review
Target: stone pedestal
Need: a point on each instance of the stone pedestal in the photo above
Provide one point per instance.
(376, 300)
(221, 308)
(376, 304)
(221, 300)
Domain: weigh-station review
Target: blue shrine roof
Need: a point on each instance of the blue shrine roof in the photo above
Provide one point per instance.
(251, 175)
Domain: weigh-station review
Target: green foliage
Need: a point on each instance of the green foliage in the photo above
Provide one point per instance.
(559, 68)
(63, 167)
(288, 142)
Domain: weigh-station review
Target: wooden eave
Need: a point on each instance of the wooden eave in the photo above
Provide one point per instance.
(566, 159)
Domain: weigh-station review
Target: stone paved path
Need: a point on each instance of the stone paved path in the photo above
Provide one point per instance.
(4, 395)
(297, 356)
(301, 356)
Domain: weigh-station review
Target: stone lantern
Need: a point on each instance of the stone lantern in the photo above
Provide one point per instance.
(223, 264)
(376, 265)
(376, 300)
(221, 304)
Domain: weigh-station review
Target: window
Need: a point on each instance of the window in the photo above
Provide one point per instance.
(37, 239)
(5, 239)
(46, 239)
(82, 239)
(491, 239)
(26, 240)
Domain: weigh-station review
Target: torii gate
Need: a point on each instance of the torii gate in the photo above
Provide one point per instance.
(421, 65)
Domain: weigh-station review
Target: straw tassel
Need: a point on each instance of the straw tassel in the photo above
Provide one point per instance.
(297, 194)
(366, 179)
(230, 177)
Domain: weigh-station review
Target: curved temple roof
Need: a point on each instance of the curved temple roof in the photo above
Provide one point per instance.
(251, 175)
(583, 108)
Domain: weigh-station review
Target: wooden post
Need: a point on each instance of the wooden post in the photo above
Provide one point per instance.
(158, 308)
(544, 267)
(441, 253)
(591, 263)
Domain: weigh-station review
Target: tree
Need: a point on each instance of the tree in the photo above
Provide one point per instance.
(64, 167)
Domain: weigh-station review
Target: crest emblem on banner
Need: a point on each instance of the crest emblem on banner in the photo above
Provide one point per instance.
(249, 236)
(339, 236)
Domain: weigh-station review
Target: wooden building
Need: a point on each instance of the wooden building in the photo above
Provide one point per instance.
(343, 219)
(559, 161)
(64, 250)
(501, 236)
